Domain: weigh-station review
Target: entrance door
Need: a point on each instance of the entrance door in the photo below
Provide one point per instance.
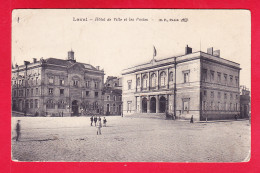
(162, 104)
(153, 105)
(144, 105)
(75, 108)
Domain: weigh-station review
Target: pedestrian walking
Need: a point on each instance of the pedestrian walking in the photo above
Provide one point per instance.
(91, 120)
(95, 120)
(18, 130)
(99, 126)
(104, 122)
(99, 118)
(191, 119)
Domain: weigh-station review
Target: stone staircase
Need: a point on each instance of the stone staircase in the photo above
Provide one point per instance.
(147, 115)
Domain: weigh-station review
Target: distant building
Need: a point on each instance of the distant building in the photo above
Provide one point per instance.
(245, 102)
(112, 95)
(200, 84)
(57, 87)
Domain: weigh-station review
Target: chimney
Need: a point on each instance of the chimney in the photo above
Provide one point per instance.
(188, 50)
(216, 53)
(71, 55)
(26, 62)
(210, 50)
(97, 67)
(34, 60)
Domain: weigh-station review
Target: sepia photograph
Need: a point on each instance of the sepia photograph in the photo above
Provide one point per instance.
(131, 85)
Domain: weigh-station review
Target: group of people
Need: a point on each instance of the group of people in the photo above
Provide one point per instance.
(98, 124)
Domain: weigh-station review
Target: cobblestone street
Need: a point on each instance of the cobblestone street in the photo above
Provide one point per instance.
(130, 139)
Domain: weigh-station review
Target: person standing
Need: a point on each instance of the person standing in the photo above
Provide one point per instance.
(91, 120)
(191, 119)
(99, 126)
(99, 118)
(95, 120)
(105, 122)
(18, 130)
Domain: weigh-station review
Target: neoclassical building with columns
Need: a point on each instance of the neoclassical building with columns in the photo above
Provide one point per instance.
(196, 83)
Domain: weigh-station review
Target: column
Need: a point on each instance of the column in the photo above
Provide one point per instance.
(141, 108)
(148, 104)
(167, 103)
(148, 87)
(158, 79)
(157, 104)
(136, 83)
(168, 78)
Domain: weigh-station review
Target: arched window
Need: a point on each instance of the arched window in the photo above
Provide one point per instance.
(171, 76)
(61, 104)
(163, 78)
(145, 81)
(50, 104)
(153, 78)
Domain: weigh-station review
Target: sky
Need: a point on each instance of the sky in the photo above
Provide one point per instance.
(114, 43)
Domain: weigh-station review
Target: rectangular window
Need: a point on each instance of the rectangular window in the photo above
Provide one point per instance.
(186, 75)
(129, 106)
(205, 93)
(75, 83)
(36, 103)
(51, 80)
(231, 96)
(96, 85)
(36, 80)
(236, 78)
(108, 97)
(212, 74)
(186, 105)
(96, 94)
(87, 93)
(204, 75)
(219, 95)
(212, 94)
(36, 91)
(50, 91)
(61, 91)
(204, 105)
(87, 84)
(219, 77)
(218, 105)
(61, 82)
(225, 79)
(27, 92)
(225, 95)
(211, 105)
(32, 92)
(31, 104)
(120, 98)
(231, 80)
(129, 84)
(114, 98)
(14, 93)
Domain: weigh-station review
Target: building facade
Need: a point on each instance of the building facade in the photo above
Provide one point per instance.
(199, 84)
(112, 95)
(245, 102)
(57, 87)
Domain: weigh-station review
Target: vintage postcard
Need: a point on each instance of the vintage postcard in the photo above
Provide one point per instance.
(131, 85)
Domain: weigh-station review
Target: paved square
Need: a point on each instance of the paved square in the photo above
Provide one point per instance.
(130, 139)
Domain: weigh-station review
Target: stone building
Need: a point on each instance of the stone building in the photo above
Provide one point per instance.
(200, 84)
(112, 95)
(57, 87)
(245, 102)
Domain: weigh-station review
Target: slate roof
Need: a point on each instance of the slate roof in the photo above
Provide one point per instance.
(67, 63)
